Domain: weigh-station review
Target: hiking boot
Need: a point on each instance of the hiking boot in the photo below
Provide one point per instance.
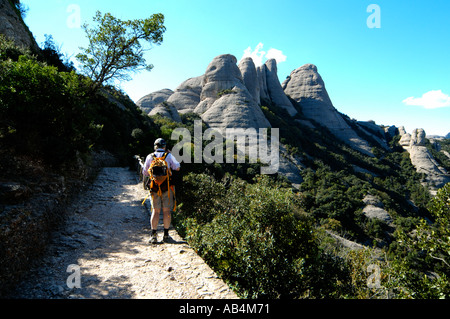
(153, 239)
(167, 238)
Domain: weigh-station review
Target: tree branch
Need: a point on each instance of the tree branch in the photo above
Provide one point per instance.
(441, 259)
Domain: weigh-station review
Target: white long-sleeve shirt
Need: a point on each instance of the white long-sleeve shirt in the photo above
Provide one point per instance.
(170, 159)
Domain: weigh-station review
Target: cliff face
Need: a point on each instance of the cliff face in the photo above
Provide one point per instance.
(305, 86)
(226, 96)
(424, 162)
(225, 101)
(13, 27)
(271, 87)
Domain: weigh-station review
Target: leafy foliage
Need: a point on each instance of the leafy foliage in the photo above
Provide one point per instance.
(50, 53)
(260, 243)
(42, 110)
(21, 8)
(115, 46)
(49, 114)
(421, 267)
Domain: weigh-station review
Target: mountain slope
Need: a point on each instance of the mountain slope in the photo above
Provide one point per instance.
(227, 95)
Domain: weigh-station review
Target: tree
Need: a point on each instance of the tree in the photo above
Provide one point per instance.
(51, 54)
(23, 9)
(424, 271)
(435, 238)
(115, 47)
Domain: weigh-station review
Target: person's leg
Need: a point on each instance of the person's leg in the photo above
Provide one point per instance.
(167, 217)
(167, 204)
(154, 220)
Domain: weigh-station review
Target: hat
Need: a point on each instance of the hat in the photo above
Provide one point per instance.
(160, 142)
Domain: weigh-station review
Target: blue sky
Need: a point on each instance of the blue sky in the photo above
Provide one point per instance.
(397, 74)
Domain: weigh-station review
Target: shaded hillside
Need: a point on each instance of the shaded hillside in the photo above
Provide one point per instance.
(54, 135)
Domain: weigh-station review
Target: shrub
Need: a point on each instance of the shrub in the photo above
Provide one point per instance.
(42, 110)
(8, 50)
(421, 266)
(254, 235)
(51, 115)
(50, 53)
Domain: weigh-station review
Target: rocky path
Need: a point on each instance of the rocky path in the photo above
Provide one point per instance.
(103, 252)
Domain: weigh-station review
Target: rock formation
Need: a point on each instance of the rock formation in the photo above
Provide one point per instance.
(305, 86)
(290, 166)
(271, 87)
(222, 88)
(187, 96)
(375, 132)
(167, 110)
(13, 27)
(225, 101)
(391, 131)
(375, 209)
(229, 95)
(421, 158)
(157, 103)
(250, 78)
(150, 101)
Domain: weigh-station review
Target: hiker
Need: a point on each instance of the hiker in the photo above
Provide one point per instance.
(163, 195)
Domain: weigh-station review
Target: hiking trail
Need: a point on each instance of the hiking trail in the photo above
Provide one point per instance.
(106, 235)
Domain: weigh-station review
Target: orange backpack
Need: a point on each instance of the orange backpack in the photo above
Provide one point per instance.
(160, 173)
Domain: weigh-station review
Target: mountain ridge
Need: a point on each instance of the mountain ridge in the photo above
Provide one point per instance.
(231, 94)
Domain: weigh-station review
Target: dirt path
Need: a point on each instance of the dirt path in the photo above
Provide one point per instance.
(106, 239)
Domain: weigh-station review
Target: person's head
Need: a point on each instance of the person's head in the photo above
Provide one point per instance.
(160, 144)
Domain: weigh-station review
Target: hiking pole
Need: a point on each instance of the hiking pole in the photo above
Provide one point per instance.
(146, 199)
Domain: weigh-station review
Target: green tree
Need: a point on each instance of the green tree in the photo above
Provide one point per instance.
(115, 47)
(423, 273)
(435, 238)
(51, 54)
(43, 112)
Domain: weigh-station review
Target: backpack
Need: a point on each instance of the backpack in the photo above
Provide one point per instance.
(160, 173)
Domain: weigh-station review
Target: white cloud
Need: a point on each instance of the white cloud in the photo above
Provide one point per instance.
(430, 100)
(259, 56)
(277, 55)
